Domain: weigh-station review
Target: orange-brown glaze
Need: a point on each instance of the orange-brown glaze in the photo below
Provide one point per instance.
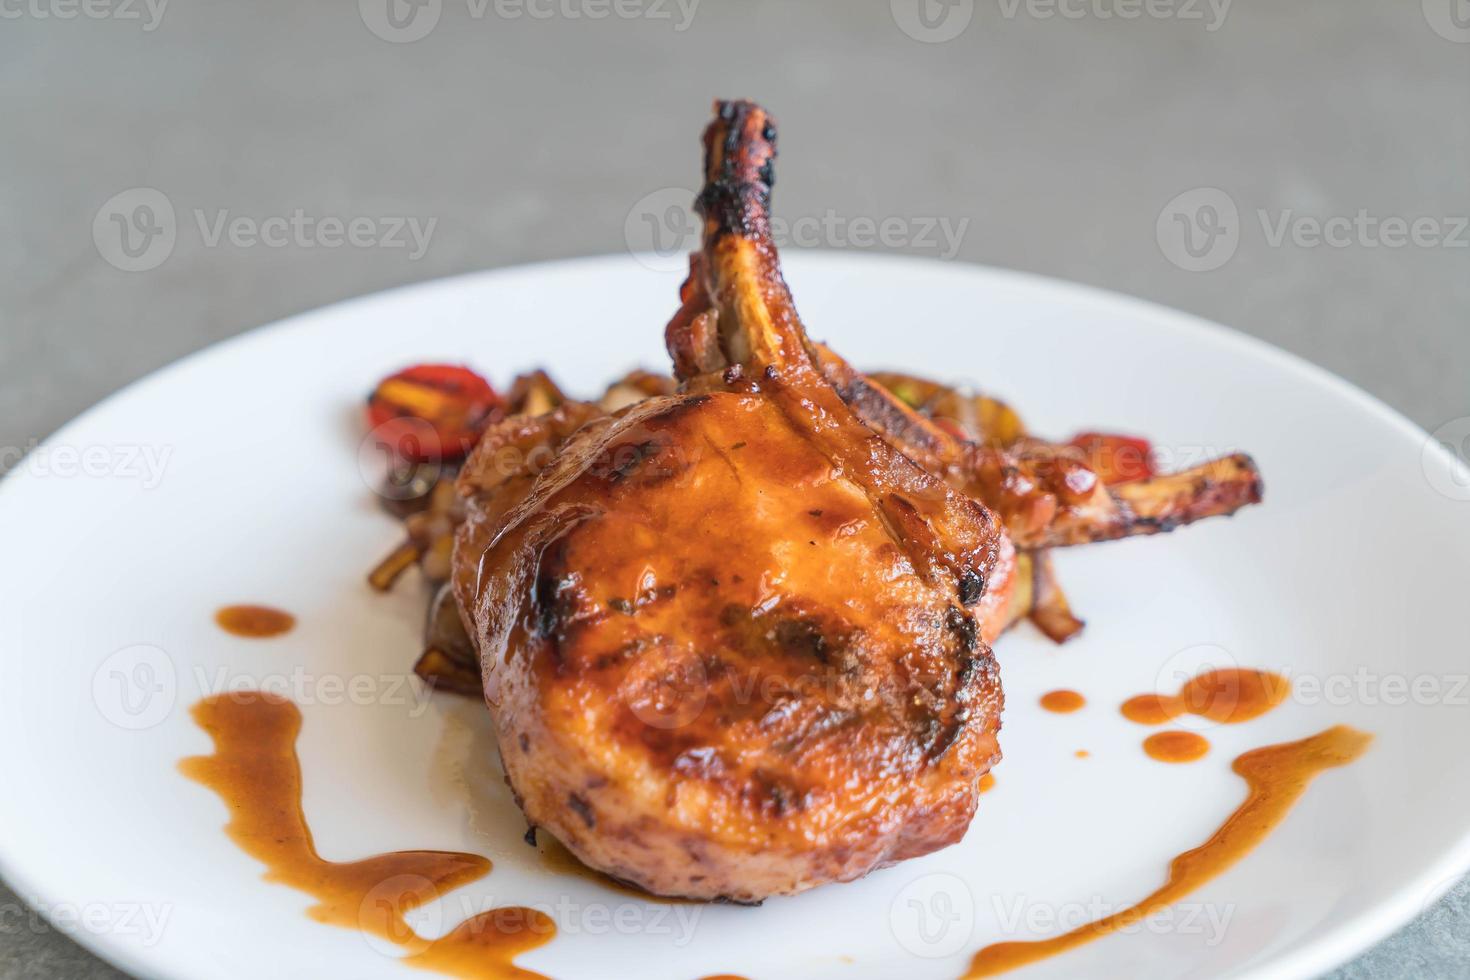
(1176, 746)
(1063, 702)
(734, 641)
(256, 622)
(1151, 709)
(987, 782)
(483, 946)
(1230, 695)
(255, 771)
(1276, 776)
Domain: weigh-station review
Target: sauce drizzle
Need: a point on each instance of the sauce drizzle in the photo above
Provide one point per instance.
(1176, 746)
(1276, 777)
(1062, 702)
(255, 771)
(482, 946)
(254, 622)
(1228, 696)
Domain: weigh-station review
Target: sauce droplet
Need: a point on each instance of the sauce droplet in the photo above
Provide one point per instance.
(987, 782)
(1082, 753)
(256, 622)
(255, 771)
(483, 946)
(1062, 702)
(1176, 746)
(1276, 776)
(1228, 696)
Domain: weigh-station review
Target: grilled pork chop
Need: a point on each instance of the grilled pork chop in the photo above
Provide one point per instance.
(735, 643)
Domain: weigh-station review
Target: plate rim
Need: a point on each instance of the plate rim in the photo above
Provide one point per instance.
(1332, 948)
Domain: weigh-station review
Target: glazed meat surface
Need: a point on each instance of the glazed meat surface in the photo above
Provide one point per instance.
(735, 643)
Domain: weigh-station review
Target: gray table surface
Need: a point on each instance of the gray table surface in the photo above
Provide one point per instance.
(1065, 134)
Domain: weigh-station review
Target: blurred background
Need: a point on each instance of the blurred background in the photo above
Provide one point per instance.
(179, 171)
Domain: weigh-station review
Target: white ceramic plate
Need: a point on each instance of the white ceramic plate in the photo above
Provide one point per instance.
(234, 476)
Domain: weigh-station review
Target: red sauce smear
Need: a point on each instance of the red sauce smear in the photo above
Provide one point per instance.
(254, 769)
(1229, 696)
(255, 622)
(1176, 746)
(1062, 702)
(1276, 776)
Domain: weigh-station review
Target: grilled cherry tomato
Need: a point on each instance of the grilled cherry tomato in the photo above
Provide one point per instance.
(1115, 458)
(432, 412)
